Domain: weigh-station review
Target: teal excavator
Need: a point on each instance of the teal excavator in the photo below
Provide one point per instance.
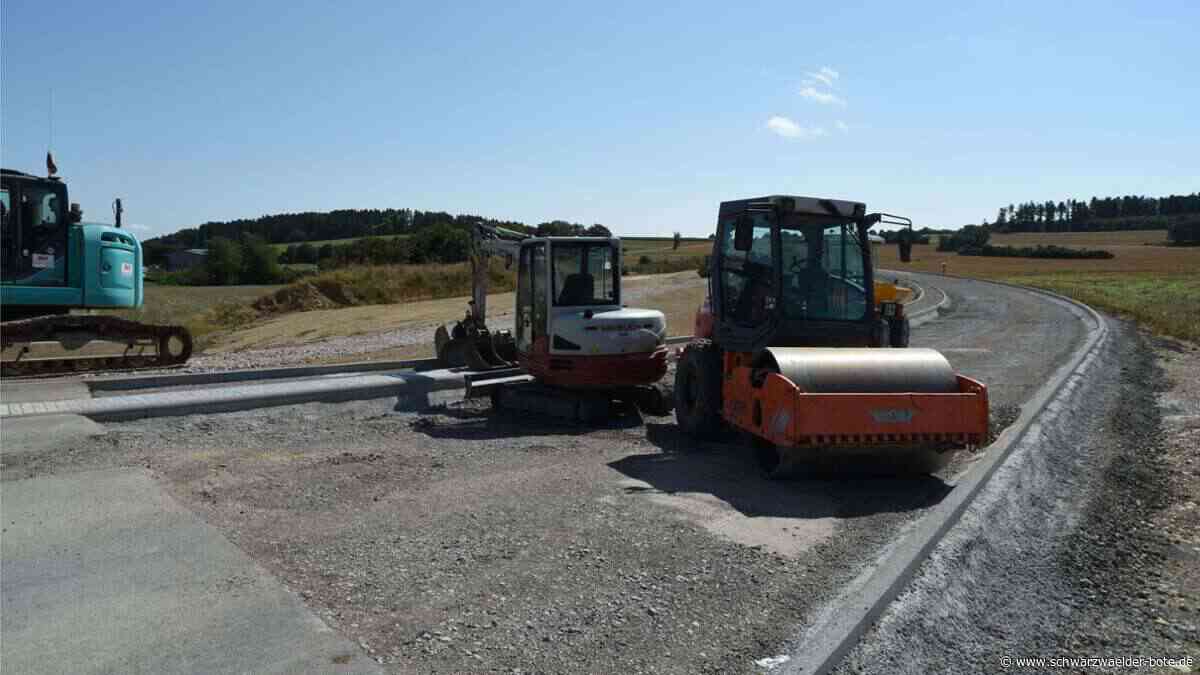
(52, 265)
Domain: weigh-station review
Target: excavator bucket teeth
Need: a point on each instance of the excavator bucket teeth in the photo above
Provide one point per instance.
(505, 346)
(487, 350)
(449, 350)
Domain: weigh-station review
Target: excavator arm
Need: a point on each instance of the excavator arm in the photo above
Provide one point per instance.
(487, 241)
(469, 342)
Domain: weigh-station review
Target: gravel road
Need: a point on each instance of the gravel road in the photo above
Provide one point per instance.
(455, 540)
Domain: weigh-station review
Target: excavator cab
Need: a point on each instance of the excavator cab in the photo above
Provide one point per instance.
(34, 224)
(560, 276)
(571, 329)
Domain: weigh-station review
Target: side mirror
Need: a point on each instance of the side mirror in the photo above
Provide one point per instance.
(743, 233)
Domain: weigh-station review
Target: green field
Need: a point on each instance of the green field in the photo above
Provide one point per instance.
(1165, 303)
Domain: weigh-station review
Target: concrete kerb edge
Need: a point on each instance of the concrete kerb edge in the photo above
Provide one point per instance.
(189, 403)
(183, 379)
(924, 316)
(843, 623)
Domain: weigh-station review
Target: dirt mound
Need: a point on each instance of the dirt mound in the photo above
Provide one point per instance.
(338, 292)
(301, 297)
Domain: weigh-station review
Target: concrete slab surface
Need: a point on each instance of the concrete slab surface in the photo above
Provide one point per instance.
(45, 432)
(28, 391)
(105, 573)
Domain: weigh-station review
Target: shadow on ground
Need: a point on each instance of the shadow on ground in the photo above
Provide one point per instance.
(724, 468)
(464, 423)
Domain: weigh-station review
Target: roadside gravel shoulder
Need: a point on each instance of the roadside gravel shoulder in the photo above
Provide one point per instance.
(1086, 548)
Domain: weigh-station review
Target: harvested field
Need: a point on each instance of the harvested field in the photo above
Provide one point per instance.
(403, 331)
(1131, 256)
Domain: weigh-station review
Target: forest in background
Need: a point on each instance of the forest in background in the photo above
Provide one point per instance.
(1099, 214)
(260, 250)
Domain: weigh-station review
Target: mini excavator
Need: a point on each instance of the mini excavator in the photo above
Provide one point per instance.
(575, 348)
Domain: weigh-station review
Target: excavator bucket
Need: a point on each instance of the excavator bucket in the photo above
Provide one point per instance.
(459, 345)
(818, 407)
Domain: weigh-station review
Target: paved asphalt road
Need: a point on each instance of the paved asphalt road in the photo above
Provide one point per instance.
(458, 540)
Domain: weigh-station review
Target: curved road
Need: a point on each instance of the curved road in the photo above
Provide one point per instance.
(455, 540)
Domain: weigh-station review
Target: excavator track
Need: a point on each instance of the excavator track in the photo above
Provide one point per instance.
(170, 345)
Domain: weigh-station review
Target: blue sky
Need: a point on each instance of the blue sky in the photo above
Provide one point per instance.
(641, 116)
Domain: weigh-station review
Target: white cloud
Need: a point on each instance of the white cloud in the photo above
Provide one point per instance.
(826, 76)
(788, 128)
(138, 228)
(822, 97)
(842, 126)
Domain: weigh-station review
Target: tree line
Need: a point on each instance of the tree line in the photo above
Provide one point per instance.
(440, 243)
(284, 228)
(973, 240)
(1099, 213)
(382, 236)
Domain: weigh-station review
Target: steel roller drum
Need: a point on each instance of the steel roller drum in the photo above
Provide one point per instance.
(861, 371)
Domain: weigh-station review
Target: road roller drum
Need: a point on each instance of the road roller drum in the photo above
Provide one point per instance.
(858, 371)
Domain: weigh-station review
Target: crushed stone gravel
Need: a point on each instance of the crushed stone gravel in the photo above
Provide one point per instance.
(1087, 548)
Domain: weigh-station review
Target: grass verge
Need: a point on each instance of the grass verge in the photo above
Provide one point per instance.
(1165, 303)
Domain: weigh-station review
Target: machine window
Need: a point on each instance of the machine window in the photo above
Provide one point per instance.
(537, 265)
(746, 276)
(823, 273)
(43, 237)
(8, 238)
(584, 274)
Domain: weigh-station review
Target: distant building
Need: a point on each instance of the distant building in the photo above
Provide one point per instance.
(186, 259)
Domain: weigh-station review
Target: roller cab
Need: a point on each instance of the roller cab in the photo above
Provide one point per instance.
(798, 352)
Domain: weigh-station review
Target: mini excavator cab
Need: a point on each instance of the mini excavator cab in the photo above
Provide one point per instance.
(571, 329)
(564, 276)
(797, 272)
